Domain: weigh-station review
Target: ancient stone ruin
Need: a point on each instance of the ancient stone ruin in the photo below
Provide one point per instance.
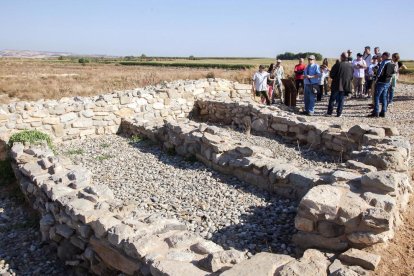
(344, 208)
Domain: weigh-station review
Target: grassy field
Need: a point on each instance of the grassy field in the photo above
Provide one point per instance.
(33, 79)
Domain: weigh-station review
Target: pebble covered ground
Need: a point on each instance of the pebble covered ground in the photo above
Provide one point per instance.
(216, 206)
(21, 251)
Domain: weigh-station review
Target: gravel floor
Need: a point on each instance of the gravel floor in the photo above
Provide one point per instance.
(21, 251)
(300, 156)
(218, 207)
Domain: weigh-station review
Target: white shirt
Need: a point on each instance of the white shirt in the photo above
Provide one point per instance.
(359, 72)
(367, 59)
(371, 69)
(260, 80)
(324, 75)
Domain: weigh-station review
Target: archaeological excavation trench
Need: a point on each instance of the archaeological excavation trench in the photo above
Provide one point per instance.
(193, 178)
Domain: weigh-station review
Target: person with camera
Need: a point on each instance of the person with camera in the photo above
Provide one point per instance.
(312, 74)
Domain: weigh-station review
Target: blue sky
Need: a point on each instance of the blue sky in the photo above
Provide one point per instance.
(207, 28)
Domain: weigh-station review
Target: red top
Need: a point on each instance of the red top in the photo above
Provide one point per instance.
(299, 69)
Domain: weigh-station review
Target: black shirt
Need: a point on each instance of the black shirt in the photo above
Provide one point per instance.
(341, 75)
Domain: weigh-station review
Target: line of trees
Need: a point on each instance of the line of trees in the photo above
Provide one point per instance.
(292, 56)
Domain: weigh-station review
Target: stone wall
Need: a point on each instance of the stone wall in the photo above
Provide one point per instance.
(356, 205)
(101, 235)
(72, 118)
(377, 146)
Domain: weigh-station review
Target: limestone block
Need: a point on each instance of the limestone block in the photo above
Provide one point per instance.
(170, 267)
(312, 263)
(382, 182)
(361, 258)
(280, 127)
(340, 175)
(304, 179)
(82, 123)
(385, 202)
(113, 257)
(263, 263)
(68, 117)
(64, 230)
(58, 130)
(51, 121)
(222, 260)
(312, 240)
(206, 247)
(386, 160)
(330, 229)
(119, 233)
(339, 269)
(359, 166)
(350, 210)
(259, 125)
(322, 202)
(376, 218)
(88, 113)
(304, 224)
(368, 238)
(103, 224)
(182, 239)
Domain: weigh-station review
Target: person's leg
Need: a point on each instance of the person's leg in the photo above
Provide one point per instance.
(378, 91)
(326, 87)
(306, 98)
(266, 97)
(312, 98)
(384, 98)
(331, 103)
(320, 93)
(279, 89)
(391, 94)
(341, 101)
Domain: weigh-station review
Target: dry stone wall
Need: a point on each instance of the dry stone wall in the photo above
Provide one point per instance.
(73, 118)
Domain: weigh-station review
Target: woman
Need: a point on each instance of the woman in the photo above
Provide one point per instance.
(323, 83)
(398, 66)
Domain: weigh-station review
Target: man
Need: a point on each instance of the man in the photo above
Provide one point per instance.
(341, 75)
(367, 57)
(279, 75)
(350, 58)
(384, 75)
(259, 84)
(299, 68)
(312, 74)
(359, 67)
(377, 51)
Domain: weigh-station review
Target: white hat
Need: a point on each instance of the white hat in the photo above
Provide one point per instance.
(279, 60)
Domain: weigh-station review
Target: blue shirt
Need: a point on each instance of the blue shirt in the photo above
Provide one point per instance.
(312, 69)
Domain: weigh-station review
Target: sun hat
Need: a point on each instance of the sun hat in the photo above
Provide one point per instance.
(311, 57)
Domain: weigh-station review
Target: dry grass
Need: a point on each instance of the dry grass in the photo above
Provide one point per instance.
(26, 79)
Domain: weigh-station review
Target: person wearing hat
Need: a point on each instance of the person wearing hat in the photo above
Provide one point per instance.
(350, 58)
(312, 75)
(279, 75)
(259, 84)
(341, 75)
(359, 67)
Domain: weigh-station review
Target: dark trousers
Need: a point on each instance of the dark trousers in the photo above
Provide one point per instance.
(299, 84)
(320, 93)
(263, 94)
(339, 97)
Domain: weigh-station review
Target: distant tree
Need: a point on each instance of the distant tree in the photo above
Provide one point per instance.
(83, 61)
(143, 56)
(292, 56)
(129, 58)
(60, 58)
(191, 57)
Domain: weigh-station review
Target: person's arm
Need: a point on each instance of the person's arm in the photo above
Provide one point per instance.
(253, 86)
(333, 72)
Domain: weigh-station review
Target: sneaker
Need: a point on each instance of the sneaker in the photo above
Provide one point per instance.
(339, 115)
(382, 115)
(390, 104)
(310, 114)
(328, 115)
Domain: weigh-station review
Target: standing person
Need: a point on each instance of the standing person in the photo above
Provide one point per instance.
(270, 82)
(259, 84)
(367, 57)
(341, 75)
(398, 66)
(279, 75)
(323, 82)
(312, 75)
(371, 75)
(299, 69)
(377, 52)
(349, 57)
(326, 83)
(384, 75)
(359, 66)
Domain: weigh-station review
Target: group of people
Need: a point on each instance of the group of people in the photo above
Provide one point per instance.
(367, 76)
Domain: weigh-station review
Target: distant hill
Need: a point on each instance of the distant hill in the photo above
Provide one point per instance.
(31, 54)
